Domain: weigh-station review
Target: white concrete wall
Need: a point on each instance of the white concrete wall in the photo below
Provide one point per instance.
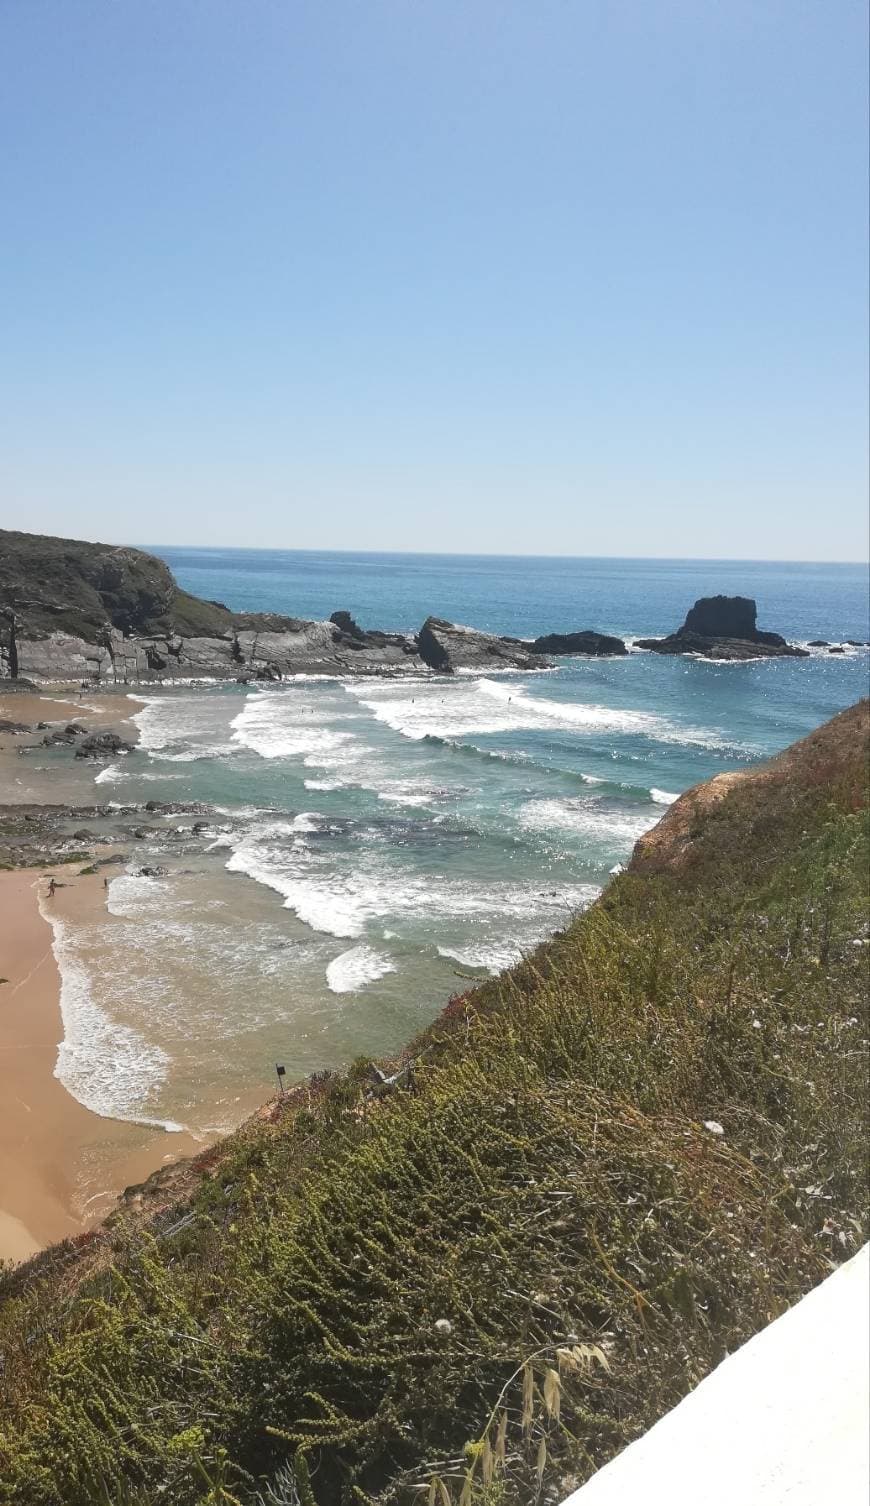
(783, 1422)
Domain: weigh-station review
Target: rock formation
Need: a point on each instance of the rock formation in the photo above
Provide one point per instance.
(72, 611)
(599, 645)
(446, 646)
(723, 627)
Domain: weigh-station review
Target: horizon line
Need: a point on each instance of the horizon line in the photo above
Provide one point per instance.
(689, 559)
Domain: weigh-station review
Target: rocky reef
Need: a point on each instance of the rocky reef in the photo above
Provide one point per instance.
(723, 627)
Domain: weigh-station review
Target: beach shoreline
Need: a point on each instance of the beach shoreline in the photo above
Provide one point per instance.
(62, 1167)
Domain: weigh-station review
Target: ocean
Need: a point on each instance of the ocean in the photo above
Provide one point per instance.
(377, 843)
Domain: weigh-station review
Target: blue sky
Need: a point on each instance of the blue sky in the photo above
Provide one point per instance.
(545, 276)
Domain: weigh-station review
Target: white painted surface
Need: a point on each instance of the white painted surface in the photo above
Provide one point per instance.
(783, 1422)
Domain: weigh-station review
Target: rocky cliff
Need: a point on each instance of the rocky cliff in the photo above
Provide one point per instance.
(76, 611)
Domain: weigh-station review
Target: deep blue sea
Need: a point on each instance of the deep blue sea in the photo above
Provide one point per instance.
(379, 841)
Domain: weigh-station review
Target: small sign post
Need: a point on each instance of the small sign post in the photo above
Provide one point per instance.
(280, 1069)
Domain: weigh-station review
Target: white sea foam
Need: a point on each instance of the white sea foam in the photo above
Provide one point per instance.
(456, 709)
(662, 797)
(357, 967)
(184, 728)
(110, 775)
(134, 895)
(291, 723)
(494, 957)
(320, 732)
(593, 818)
(452, 710)
(339, 900)
(108, 1067)
(306, 821)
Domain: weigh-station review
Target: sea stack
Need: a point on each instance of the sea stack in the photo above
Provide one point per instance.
(723, 627)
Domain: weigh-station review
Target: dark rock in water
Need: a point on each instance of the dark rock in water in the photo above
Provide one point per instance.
(14, 727)
(103, 745)
(445, 647)
(722, 617)
(585, 642)
(152, 872)
(730, 649)
(200, 826)
(857, 643)
(76, 729)
(819, 643)
(837, 649)
(58, 739)
(723, 627)
(142, 832)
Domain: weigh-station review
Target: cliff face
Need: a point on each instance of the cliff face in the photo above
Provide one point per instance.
(62, 585)
(76, 611)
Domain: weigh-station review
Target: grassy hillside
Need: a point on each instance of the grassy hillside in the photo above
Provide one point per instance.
(593, 1177)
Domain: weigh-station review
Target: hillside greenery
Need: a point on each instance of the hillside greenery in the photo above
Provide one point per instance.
(591, 1179)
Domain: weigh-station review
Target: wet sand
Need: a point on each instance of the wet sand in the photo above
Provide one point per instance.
(61, 1166)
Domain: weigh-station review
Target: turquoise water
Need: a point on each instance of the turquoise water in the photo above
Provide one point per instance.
(378, 839)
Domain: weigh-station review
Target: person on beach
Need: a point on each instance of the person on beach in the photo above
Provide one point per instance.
(52, 885)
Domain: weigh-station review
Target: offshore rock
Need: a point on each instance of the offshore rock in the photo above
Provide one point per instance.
(723, 627)
(722, 617)
(599, 645)
(445, 647)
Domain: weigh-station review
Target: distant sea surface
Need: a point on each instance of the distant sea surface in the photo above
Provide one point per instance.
(380, 841)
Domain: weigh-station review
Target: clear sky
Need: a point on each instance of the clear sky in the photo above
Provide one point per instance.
(544, 276)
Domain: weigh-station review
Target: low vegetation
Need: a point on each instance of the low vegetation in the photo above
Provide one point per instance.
(588, 1182)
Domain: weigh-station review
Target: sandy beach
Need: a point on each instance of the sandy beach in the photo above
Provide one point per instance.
(61, 1166)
